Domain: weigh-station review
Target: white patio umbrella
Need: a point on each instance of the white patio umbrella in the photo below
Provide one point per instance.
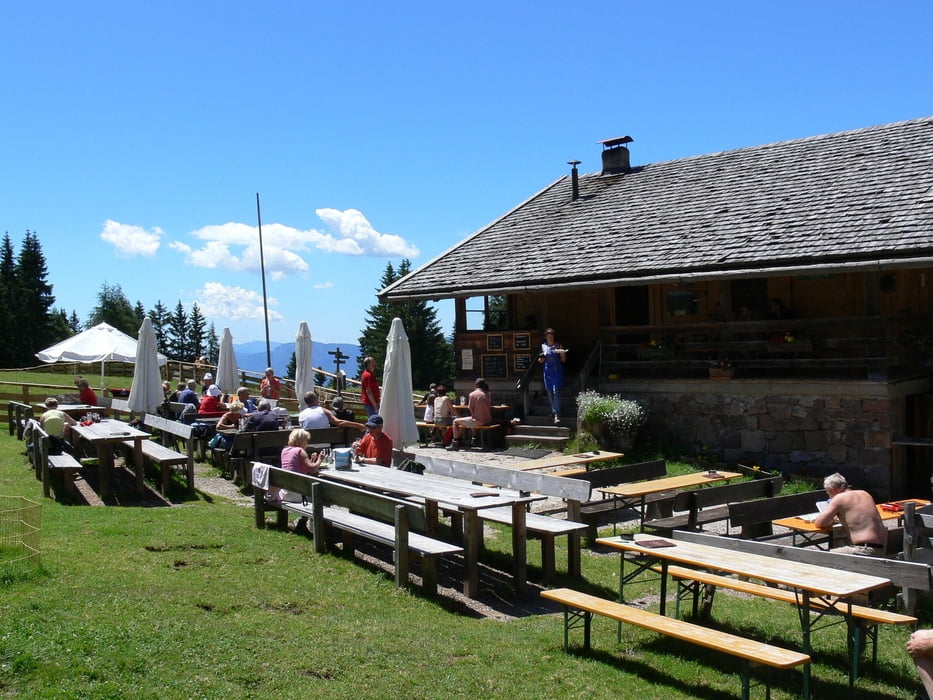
(304, 367)
(397, 408)
(228, 374)
(103, 343)
(146, 389)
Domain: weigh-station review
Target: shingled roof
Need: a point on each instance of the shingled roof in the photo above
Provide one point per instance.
(850, 200)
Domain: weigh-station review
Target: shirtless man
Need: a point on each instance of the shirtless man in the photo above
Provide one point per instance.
(857, 512)
(920, 648)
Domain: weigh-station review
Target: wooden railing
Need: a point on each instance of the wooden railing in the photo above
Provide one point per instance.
(864, 343)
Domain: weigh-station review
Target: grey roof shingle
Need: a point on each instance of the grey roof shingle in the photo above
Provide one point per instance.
(853, 198)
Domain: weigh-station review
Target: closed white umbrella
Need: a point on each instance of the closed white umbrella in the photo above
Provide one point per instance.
(228, 374)
(397, 407)
(146, 390)
(102, 343)
(304, 367)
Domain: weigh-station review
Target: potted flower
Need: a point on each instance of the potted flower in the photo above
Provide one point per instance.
(612, 420)
(722, 369)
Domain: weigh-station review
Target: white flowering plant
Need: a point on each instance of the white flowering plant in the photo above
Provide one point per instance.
(610, 416)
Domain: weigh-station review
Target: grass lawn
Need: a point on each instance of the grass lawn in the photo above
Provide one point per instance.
(192, 601)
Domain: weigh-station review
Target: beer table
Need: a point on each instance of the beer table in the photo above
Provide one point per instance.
(627, 495)
(103, 436)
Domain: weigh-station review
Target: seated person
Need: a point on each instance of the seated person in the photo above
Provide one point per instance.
(858, 514)
(188, 395)
(429, 407)
(480, 404)
(295, 458)
(375, 447)
(341, 412)
(242, 394)
(263, 419)
(210, 404)
(228, 421)
(53, 422)
(86, 394)
(443, 407)
(920, 648)
(316, 416)
(270, 387)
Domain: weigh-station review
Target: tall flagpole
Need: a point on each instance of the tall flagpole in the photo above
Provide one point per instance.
(262, 267)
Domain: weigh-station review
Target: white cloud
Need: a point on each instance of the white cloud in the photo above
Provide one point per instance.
(235, 246)
(354, 227)
(218, 300)
(323, 285)
(130, 241)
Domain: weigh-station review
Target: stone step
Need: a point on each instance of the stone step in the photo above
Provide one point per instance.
(551, 430)
(553, 442)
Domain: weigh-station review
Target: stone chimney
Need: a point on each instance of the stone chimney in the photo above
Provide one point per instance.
(616, 155)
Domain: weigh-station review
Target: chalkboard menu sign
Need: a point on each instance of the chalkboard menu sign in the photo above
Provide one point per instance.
(522, 362)
(495, 366)
(521, 341)
(494, 342)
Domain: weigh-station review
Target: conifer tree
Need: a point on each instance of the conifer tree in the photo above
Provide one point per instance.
(7, 299)
(115, 309)
(291, 368)
(213, 345)
(196, 334)
(431, 354)
(161, 321)
(33, 312)
(178, 334)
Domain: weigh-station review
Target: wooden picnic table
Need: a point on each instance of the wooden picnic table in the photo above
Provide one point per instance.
(834, 587)
(103, 436)
(809, 534)
(463, 496)
(627, 495)
(558, 461)
(75, 410)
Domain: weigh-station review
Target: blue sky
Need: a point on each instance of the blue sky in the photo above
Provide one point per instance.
(136, 136)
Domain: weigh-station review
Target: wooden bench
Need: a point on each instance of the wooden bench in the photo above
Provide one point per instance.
(545, 527)
(752, 653)
(390, 521)
(164, 454)
(46, 464)
(18, 415)
(119, 407)
(699, 507)
(864, 619)
(754, 519)
(659, 505)
(914, 575)
(266, 446)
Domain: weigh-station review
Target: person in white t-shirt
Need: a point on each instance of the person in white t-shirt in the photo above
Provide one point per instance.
(315, 416)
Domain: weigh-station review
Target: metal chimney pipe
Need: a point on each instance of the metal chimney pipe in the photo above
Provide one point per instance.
(574, 180)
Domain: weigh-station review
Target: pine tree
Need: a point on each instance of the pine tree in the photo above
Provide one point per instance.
(291, 368)
(178, 334)
(213, 345)
(196, 326)
(140, 312)
(34, 300)
(161, 320)
(432, 357)
(320, 379)
(74, 323)
(7, 300)
(114, 308)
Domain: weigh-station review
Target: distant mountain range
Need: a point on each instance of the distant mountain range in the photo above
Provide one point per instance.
(251, 356)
